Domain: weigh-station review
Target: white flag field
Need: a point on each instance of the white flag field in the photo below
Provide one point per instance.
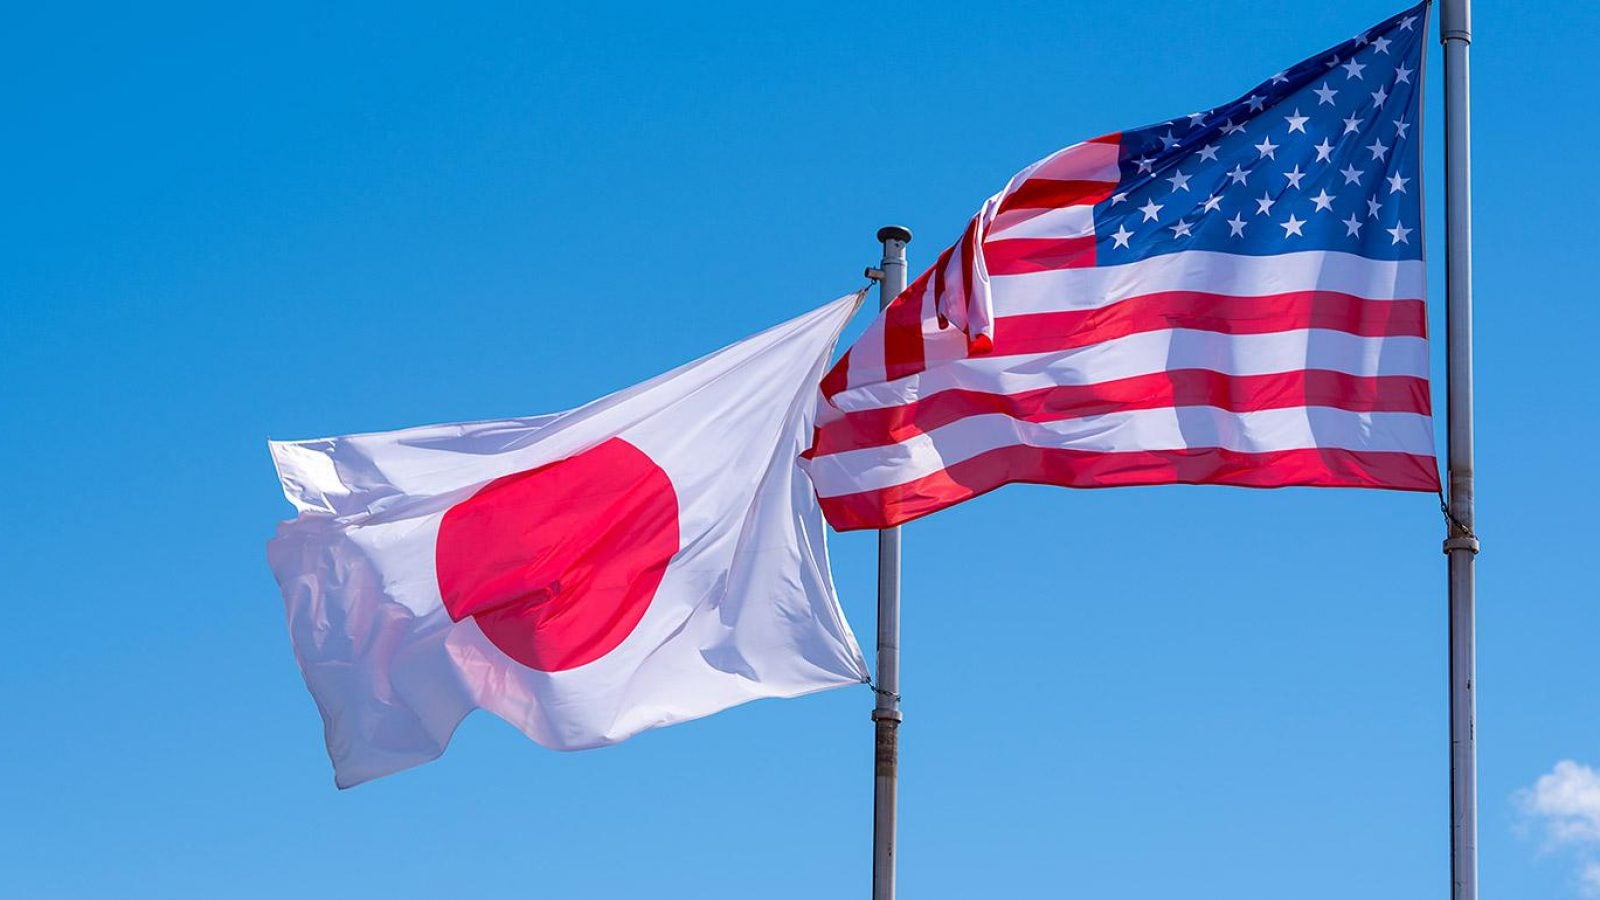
(652, 557)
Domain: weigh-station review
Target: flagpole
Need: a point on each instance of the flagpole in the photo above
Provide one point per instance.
(1461, 544)
(886, 712)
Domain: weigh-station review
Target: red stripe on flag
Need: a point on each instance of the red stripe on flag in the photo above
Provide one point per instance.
(1019, 256)
(1158, 390)
(968, 244)
(938, 283)
(1200, 311)
(838, 377)
(896, 505)
(902, 331)
(1049, 193)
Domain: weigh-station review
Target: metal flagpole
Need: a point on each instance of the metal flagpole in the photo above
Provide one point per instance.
(886, 712)
(1461, 545)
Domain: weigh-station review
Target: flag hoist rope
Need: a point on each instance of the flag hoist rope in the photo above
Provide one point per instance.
(1461, 544)
(891, 278)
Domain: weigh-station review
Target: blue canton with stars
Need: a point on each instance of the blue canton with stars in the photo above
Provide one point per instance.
(1322, 156)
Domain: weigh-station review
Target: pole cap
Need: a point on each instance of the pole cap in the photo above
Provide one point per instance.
(894, 233)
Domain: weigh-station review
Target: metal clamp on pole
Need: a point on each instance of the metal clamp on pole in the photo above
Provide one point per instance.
(1455, 22)
(886, 718)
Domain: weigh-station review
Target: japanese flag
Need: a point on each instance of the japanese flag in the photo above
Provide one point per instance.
(652, 557)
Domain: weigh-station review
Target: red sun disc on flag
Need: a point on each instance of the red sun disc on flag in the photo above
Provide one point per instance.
(558, 564)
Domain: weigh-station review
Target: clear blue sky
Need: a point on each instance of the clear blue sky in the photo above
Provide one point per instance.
(220, 226)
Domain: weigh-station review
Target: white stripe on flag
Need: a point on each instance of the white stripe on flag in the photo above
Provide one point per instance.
(1178, 428)
(1202, 270)
(1060, 222)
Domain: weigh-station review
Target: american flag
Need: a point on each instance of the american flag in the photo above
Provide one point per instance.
(1233, 296)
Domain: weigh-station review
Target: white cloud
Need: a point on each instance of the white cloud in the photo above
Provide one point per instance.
(1590, 879)
(1566, 800)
